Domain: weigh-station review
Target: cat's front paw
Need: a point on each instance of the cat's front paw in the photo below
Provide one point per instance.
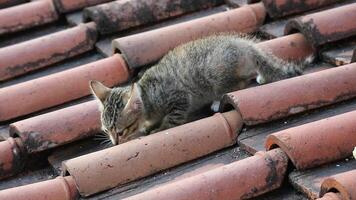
(260, 80)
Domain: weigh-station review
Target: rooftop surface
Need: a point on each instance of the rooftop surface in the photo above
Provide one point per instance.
(291, 139)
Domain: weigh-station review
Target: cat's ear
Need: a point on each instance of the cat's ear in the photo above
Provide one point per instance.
(99, 90)
(135, 101)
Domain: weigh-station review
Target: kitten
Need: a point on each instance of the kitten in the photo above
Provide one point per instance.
(187, 79)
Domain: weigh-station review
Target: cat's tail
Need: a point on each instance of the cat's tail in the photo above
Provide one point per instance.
(270, 68)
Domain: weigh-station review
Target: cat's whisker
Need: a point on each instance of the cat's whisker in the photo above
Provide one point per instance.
(105, 141)
(101, 136)
(99, 139)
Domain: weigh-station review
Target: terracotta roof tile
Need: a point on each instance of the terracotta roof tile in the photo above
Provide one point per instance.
(61, 188)
(343, 183)
(27, 15)
(320, 134)
(243, 179)
(252, 138)
(58, 127)
(11, 157)
(148, 155)
(48, 121)
(281, 8)
(320, 28)
(47, 131)
(324, 87)
(35, 13)
(120, 15)
(20, 58)
(149, 49)
(331, 196)
(309, 181)
(45, 92)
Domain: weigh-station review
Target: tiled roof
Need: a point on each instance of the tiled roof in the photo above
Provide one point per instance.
(291, 139)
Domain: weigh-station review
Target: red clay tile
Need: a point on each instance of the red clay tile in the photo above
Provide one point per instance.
(294, 95)
(27, 15)
(309, 181)
(61, 188)
(58, 88)
(8, 3)
(290, 47)
(120, 15)
(58, 127)
(21, 58)
(331, 196)
(344, 184)
(11, 159)
(321, 27)
(138, 158)
(316, 143)
(65, 6)
(281, 8)
(144, 48)
(243, 179)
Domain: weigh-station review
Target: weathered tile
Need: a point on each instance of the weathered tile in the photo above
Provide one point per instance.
(76, 61)
(30, 34)
(104, 43)
(177, 173)
(253, 138)
(309, 181)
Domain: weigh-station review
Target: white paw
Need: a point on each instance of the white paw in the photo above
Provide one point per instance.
(260, 79)
(215, 106)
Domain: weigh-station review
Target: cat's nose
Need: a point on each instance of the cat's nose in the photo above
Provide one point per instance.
(114, 141)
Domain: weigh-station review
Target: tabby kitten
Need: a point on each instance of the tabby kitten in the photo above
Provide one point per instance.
(187, 79)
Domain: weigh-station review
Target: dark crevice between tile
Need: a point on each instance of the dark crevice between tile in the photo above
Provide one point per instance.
(239, 3)
(338, 53)
(199, 165)
(285, 192)
(28, 177)
(12, 3)
(75, 149)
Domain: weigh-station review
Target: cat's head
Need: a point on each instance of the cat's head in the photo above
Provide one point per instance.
(121, 111)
